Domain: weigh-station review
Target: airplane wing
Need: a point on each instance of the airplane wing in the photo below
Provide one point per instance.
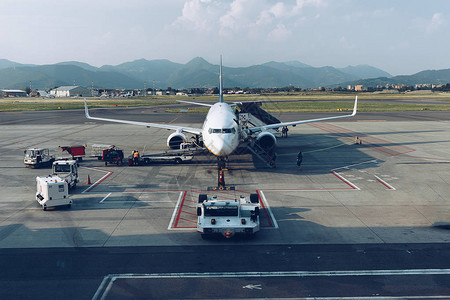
(192, 130)
(196, 103)
(278, 125)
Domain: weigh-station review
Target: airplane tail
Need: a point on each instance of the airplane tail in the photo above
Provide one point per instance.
(220, 82)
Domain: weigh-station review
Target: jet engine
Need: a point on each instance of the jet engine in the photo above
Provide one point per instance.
(266, 140)
(175, 139)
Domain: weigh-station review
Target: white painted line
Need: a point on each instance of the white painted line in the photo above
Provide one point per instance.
(175, 212)
(266, 204)
(105, 198)
(390, 187)
(379, 298)
(287, 274)
(95, 183)
(134, 201)
(357, 164)
(109, 279)
(346, 180)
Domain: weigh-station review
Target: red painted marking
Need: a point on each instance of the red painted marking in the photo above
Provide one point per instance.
(97, 183)
(353, 188)
(179, 211)
(389, 188)
(264, 208)
(367, 139)
(189, 213)
(188, 221)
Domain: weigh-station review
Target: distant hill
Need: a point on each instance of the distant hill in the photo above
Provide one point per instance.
(425, 77)
(4, 63)
(200, 73)
(365, 71)
(49, 76)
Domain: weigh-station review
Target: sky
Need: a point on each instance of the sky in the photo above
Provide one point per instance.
(401, 37)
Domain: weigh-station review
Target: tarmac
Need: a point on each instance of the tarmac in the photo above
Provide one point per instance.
(394, 187)
(357, 220)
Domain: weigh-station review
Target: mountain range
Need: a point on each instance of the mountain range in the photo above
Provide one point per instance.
(197, 73)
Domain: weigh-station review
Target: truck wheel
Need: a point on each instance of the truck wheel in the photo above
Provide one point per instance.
(146, 161)
(202, 197)
(74, 186)
(178, 160)
(106, 163)
(254, 198)
(69, 205)
(44, 208)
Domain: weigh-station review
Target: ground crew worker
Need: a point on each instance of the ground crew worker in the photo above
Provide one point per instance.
(136, 157)
(299, 159)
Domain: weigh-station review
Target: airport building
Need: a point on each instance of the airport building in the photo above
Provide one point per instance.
(12, 93)
(70, 91)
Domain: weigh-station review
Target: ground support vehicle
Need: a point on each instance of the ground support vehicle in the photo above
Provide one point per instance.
(149, 158)
(67, 170)
(228, 217)
(97, 150)
(77, 152)
(112, 156)
(52, 191)
(37, 158)
(178, 156)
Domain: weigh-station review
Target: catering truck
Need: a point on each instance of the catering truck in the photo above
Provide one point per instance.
(228, 217)
(52, 191)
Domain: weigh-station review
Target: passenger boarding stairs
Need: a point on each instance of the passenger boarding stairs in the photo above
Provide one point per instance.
(259, 117)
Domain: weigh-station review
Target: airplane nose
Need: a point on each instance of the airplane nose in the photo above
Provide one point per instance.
(224, 147)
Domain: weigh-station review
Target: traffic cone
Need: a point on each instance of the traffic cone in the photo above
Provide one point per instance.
(89, 180)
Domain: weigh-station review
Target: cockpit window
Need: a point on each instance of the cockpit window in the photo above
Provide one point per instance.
(224, 130)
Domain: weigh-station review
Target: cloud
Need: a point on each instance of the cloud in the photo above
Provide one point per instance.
(242, 18)
(435, 23)
(196, 15)
(280, 33)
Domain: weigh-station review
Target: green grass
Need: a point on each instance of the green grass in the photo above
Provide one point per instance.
(55, 104)
(333, 106)
(367, 102)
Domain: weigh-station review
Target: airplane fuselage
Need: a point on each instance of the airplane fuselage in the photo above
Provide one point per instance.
(220, 131)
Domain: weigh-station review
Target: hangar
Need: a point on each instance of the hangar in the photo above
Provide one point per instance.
(12, 93)
(70, 91)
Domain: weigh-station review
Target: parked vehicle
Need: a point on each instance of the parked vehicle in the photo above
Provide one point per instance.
(37, 158)
(52, 191)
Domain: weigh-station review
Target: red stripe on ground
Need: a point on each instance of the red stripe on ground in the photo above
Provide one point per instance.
(269, 219)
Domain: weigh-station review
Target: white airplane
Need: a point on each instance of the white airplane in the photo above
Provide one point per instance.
(220, 131)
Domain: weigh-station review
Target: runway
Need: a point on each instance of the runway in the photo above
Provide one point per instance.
(382, 205)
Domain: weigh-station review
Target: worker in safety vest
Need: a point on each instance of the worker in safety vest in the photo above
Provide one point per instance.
(136, 157)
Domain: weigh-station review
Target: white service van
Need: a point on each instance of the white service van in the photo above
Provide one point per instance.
(52, 191)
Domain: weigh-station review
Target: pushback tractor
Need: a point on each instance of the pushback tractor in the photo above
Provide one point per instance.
(228, 217)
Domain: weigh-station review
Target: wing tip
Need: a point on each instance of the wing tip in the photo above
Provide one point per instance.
(355, 107)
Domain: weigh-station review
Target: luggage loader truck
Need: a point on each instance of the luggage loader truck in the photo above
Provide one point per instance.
(228, 217)
(52, 191)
